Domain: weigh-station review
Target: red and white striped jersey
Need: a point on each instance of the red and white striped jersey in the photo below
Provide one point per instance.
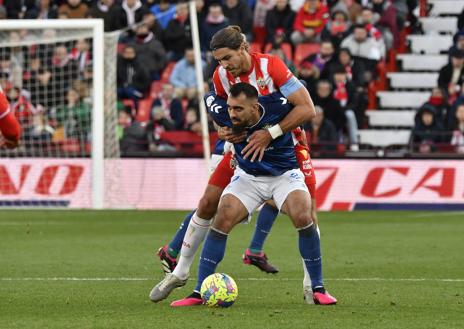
(267, 74)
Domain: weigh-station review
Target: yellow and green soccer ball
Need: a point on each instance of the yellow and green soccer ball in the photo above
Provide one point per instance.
(219, 290)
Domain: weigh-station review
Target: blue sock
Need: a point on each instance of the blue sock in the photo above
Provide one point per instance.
(176, 242)
(310, 250)
(212, 253)
(264, 223)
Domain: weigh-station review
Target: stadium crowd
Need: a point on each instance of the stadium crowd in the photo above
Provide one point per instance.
(335, 46)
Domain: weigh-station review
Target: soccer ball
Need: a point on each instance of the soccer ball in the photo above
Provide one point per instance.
(219, 290)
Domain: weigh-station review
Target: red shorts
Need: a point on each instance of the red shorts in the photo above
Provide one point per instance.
(223, 173)
(306, 166)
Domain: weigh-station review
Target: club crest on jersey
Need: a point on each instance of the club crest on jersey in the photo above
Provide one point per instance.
(233, 163)
(261, 83)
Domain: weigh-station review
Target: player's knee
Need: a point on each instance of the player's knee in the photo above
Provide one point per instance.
(207, 207)
(302, 219)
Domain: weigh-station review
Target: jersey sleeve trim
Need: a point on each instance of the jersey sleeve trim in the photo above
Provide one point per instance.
(290, 87)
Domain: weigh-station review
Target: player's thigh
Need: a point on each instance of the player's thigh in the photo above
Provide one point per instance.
(231, 211)
(291, 195)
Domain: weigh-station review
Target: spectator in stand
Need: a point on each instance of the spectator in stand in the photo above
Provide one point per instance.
(279, 23)
(355, 69)
(81, 55)
(171, 106)
(192, 120)
(457, 138)
(159, 123)
(458, 40)
(74, 118)
(349, 7)
(17, 9)
(312, 66)
(337, 28)
(154, 26)
(23, 110)
(74, 9)
(178, 35)
(353, 105)
(133, 135)
(364, 47)
(370, 20)
(461, 20)
(215, 20)
(388, 18)
(133, 77)
(45, 10)
(109, 11)
(164, 12)
(132, 12)
(427, 131)
(150, 51)
(11, 63)
(239, 13)
(183, 76)
(332, 108)
(309, 22)
(458, 101)
(323, 132)
(438, 101)
(64, 71)
(451, 75)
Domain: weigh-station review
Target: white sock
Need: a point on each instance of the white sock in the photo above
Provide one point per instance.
(194, 236)
(307, 278)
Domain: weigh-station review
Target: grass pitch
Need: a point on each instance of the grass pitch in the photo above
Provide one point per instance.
(89, 269)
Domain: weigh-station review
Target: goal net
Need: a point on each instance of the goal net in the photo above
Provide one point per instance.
(60, 79)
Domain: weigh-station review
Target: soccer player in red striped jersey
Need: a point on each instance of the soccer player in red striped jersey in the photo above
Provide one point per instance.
(9, 126)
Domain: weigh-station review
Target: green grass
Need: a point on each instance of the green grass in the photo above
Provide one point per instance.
(390, 246)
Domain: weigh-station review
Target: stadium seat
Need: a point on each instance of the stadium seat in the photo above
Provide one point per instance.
(439, 24)
(391, 118)
(384, 138)
(303, 50)
(446, 7)
(410, 80)
(259, 34)
(167, 72)
(430, 44)
(155, 89)
(187, 142)
(286, 48)
(414, 62)
(143, 112)
(402, 99)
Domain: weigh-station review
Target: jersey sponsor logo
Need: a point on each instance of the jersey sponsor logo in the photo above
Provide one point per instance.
(209, 100)
(215, 108)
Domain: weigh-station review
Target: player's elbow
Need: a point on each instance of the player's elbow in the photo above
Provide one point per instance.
(311, 113)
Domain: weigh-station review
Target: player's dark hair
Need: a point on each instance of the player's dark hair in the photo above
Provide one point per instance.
(229, 37)
(243, 88)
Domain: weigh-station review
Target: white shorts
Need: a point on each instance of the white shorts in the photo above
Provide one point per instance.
(252, 191)
(215, 159)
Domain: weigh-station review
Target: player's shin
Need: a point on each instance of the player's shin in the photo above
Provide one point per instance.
(176, 243)
(264, 222)
(306, 277)
(194, 236)
(211, 255)
(310, 250)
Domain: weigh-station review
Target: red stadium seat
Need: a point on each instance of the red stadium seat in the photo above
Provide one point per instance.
(143, 112)
(155, 89)
(259, 34)
(303, 50)
(187, 142)
(167, 72)
(286, 47)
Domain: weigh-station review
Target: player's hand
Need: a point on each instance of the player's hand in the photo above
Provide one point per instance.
(257, 144)
(8, 144)
(225, 133)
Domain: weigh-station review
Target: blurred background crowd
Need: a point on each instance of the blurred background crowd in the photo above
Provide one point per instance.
(342, 49)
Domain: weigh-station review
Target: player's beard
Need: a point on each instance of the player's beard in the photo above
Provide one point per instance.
(237, 129)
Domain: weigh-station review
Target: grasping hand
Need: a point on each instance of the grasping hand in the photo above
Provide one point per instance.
(257, 143)
(225, 133)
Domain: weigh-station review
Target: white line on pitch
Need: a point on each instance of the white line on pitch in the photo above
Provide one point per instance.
(242, 279)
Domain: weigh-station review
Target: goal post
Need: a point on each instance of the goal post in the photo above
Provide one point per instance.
(68, 30)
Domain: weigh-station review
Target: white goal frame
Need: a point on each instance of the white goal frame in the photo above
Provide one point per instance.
(96, 25)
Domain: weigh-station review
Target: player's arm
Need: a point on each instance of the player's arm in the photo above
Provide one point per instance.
(9, 126)
(302, 112)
